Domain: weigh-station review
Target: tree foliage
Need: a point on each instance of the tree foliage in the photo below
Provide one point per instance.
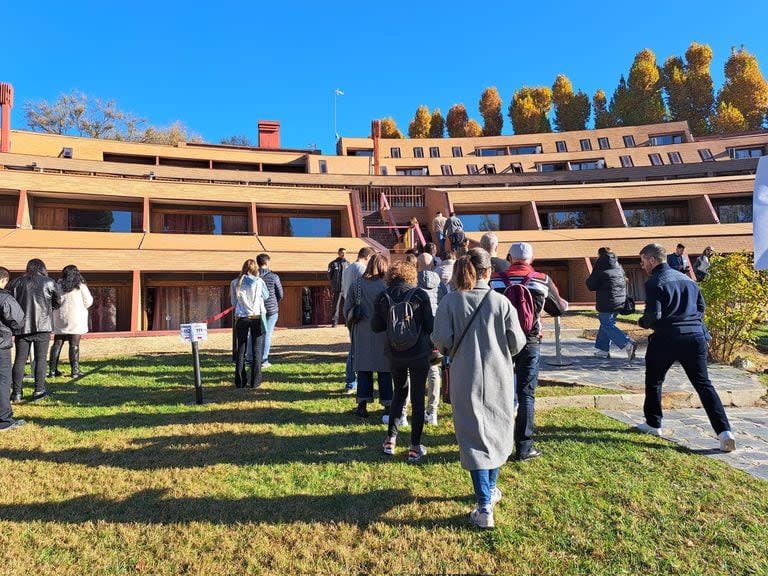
(456, 122)
(437, 124)
(737, 301)
(638, 100)
(745, 88)
(389, 128)
(421, 123)
(571, 110)
(728, 119)
(529, 110)
(689, 87)
(237, 140)
(170, 135)
(603, 118)
(473, 129)
(490, 110)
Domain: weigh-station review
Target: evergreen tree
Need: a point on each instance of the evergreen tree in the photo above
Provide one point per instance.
(419, 127)
(457, 121)
(745, 88)
(473, 129)
(490, 110)
(571, 110)
(620, 107)
(437, 124)
(689, 88)
(603, 118)
(389, 128)
(529, 110)
(647, 104)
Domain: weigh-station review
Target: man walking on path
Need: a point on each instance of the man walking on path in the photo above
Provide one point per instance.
(545, 297)
(610, 284)
(335, 270)
(349, 277)
(275, 288)
(674, 310)
(438, 234)
(454, 230)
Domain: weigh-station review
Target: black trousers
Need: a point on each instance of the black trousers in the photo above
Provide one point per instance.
(243, 328)
(6, 414)
(418, 372)
(691, 351)
(40, 342)
(74, 350)
(336, 304)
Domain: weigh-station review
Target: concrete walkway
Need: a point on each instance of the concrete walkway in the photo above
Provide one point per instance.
(736, 387)
(690, 428)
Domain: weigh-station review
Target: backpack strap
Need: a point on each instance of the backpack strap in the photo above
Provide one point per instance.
(471, 319)
(527, 279)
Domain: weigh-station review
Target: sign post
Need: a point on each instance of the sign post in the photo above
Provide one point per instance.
(194, 333)
(559, 360)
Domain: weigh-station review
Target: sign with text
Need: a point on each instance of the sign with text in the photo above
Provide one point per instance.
(194, 332)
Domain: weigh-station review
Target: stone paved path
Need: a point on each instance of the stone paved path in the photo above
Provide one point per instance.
(690, 428)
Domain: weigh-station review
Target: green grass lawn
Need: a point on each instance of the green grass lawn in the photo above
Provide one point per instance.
(117, 474)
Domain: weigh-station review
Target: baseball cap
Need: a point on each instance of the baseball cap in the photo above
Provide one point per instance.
(521, 251)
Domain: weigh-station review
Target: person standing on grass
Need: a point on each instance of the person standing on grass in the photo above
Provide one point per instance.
(479, 331)
(349, 277)
(38, 296)
(271, 304)
(70, 320)
(429, 281)
(403, 312)
(674, 310)
(545, 297)
(335, 270)
(11, 320)
(609, 283)
(248, 294)
(367, 346)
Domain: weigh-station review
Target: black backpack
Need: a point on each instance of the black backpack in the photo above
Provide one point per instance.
(403, 330)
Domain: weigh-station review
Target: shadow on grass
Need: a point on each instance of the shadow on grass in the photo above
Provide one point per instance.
(153, 506)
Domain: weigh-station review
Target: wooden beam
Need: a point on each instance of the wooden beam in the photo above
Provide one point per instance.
(145, 215)
(253, 222)
(136, 301)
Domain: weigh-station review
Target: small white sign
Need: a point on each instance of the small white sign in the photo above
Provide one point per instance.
(194, 332)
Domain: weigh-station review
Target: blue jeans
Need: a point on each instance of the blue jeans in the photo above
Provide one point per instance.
(484, 481)
(365, 387)
(271, 321)
(349, 372)
(609, 333)
(526, 376)
(440, 243)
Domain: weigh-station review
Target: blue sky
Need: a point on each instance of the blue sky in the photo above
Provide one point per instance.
(221, 67)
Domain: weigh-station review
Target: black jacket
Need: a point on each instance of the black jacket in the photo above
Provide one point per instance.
(275, 288)
(335, 270)
(673, 303)
(422, 311)
(609, 281)
(11, 319)
(38, 296)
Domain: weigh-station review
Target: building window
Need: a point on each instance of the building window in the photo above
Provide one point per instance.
(587, 164)
(394, 152)
(666, 139)
(323, 166)
(675, 158)
(561, 146)
(552, 166)
(471, 168)
(446, 169)
(434, 152)
(706, 155)
(733, 210)
(531, 149)
(741, 153)
(490, 168)
(384, 171)
(516, 168)
(629, 141)
(659, 214)
(418, 152)
(456, 151)
(481, 222)
(586, 144)
(603, 143)
(554, 219)
(626, 161)
(656, 160)
(499, 151)
(412, 171)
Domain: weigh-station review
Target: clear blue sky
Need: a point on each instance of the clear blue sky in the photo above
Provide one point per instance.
(220, 67)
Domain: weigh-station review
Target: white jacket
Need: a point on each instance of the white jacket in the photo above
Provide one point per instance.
(72, 316)
(248, 299)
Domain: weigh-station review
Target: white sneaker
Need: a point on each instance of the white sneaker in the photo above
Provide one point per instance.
(648, 429)
(266, 364)
(727, 441)
(430, 418)
(482, 519)
(402, 422)
(495, 496)
(631, 350)
(602, 353)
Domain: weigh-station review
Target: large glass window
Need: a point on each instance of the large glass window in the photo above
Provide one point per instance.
(740, 153)
(492, 151)
(588, 165)
(733, 210)
(639, 215)
(665, 139)
(565, 218)
(552, 166)
(531, 149)
(416, 171)
(481, 222)
(100, 220)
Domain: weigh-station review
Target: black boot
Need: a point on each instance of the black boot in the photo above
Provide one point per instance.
(74, 360)
(53, 368)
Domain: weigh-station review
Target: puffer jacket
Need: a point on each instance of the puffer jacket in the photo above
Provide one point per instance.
(609, 282)
(11, 319)
(38, 296)
(430, 282)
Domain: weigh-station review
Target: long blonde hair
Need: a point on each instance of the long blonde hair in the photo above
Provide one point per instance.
(249, 267)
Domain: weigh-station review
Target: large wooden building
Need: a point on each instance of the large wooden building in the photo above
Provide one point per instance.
(159, 231)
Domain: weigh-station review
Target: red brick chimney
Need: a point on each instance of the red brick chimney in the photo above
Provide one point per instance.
(6, 103)
(269, 134)
(376, 135)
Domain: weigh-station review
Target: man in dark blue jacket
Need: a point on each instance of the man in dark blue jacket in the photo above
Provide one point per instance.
(275, 289)
(11, 320)
(674, 310)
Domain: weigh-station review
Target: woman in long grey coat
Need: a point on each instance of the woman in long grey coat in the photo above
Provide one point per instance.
(482, 386)
(368, 347)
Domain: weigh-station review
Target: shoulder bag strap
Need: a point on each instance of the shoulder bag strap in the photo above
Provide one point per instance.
(471, 319)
